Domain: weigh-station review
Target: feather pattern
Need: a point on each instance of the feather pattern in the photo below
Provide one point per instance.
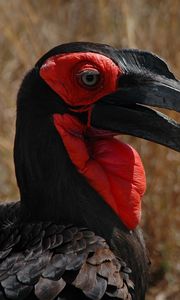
(42, 259)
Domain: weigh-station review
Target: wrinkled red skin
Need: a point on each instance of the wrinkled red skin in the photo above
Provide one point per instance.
(111, 167)
(61, 74)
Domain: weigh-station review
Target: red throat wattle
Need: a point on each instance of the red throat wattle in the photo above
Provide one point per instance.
(112, 168)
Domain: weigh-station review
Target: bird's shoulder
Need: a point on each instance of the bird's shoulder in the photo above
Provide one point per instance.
(46, 261)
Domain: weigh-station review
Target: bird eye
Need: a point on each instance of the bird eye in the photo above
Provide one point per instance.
(89, 78)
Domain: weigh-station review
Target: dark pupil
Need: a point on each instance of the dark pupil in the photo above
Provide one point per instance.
(89, 78)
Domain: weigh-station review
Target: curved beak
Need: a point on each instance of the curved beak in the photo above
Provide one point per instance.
(126, 111)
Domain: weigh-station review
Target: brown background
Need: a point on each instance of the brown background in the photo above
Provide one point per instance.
(30, 28)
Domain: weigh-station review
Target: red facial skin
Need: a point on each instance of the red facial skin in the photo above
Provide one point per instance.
(61, 73)
(111, 167)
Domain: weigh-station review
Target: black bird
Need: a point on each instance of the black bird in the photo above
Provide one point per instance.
(74, 233)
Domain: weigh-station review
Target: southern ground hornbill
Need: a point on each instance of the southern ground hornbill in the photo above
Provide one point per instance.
(74, 233)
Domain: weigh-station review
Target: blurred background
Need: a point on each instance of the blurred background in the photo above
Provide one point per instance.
(29, 28)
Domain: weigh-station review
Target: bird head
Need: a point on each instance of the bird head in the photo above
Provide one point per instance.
(88, 94)
(124, 81)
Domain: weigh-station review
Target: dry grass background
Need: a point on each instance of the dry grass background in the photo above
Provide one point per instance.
(29, 28)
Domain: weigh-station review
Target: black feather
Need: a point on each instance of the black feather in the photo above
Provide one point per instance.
(41, 255)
